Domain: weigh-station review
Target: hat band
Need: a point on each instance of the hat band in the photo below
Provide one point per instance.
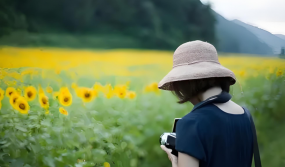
(194, 62)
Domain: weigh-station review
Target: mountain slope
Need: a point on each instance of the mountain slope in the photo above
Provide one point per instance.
(280, 36)
(234, 38)
(276, 43)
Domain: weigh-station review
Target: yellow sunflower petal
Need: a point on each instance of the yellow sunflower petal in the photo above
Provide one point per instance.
(22, 105)
(13, 100)
(10, 91)
(43, 99)
(86, 94)
(30, 93)
(131, 94)
(63, 111)
(106, 164)
(65, 97)
(1, 94)
(49, 89)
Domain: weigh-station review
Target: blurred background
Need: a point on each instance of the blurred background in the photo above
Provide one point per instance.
(79, 77)
(128, 24)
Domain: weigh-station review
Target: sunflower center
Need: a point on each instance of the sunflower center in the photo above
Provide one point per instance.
(22, 106)
(44, 100)
(14, 100)
(30, 94)
(10, 93)
(87, 94)
(66, 99)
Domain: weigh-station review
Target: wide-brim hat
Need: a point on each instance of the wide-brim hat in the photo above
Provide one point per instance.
(195, 60)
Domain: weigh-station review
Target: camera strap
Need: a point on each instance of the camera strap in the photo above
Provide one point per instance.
(225, 97)
(257, 160)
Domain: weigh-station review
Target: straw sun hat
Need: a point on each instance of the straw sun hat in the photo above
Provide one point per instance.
(195, 60)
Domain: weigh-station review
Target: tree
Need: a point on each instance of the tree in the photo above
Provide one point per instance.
(283, 51)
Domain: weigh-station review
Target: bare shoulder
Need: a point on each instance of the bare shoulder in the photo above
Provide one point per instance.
(230, 107)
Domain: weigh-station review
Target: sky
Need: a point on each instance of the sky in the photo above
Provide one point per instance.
(265, 14)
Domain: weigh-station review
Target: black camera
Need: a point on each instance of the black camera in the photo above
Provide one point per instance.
(168, 139)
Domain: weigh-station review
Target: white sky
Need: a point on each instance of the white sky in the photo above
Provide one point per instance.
(265, 14)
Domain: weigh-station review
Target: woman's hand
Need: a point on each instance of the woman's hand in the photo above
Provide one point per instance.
(172, 158)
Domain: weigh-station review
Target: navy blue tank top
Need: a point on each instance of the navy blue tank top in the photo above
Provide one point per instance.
(215, 138)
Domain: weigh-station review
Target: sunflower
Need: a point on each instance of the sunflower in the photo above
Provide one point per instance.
(86, 94)
(22, 105)
(98, 87)
(120, 91)
(271, 70)
(13, 99)
(106, 164)
(43, 99)
(65, 98)
(279, 73)
(64, 90)
(19, 91)
(131, 94)
(74, 85)
(108, 91)
(49, 89)
(10, 91)
(242, 73)
(79, 91)
(41, 89)
(152, 88)
(30, 93)
(109, 95)
(128, 83)
(63, 111)
(0, 105)
(55, 95)
(1, 94)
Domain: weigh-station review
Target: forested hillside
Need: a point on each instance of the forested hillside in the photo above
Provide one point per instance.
(107, 24)
(280, 36)
(163, 24)
(237, 39)
(276, 43)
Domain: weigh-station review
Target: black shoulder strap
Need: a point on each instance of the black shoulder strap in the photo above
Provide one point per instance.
(256, 155)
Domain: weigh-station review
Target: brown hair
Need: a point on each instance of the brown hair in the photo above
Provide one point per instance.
(187, 89)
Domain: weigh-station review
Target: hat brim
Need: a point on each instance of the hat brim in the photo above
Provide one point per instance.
(195, 71)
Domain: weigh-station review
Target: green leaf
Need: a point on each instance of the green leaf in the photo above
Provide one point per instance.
(21, 129)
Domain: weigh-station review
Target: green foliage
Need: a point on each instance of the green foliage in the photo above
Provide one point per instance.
(266, 102)
(10, 18)
(98, 41)
(125, 132)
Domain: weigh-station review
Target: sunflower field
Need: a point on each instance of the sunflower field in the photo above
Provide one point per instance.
(94, 108)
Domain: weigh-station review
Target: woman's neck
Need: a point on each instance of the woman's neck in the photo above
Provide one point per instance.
(210, 92)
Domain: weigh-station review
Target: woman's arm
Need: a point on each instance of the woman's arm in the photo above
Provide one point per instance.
(183, 160)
